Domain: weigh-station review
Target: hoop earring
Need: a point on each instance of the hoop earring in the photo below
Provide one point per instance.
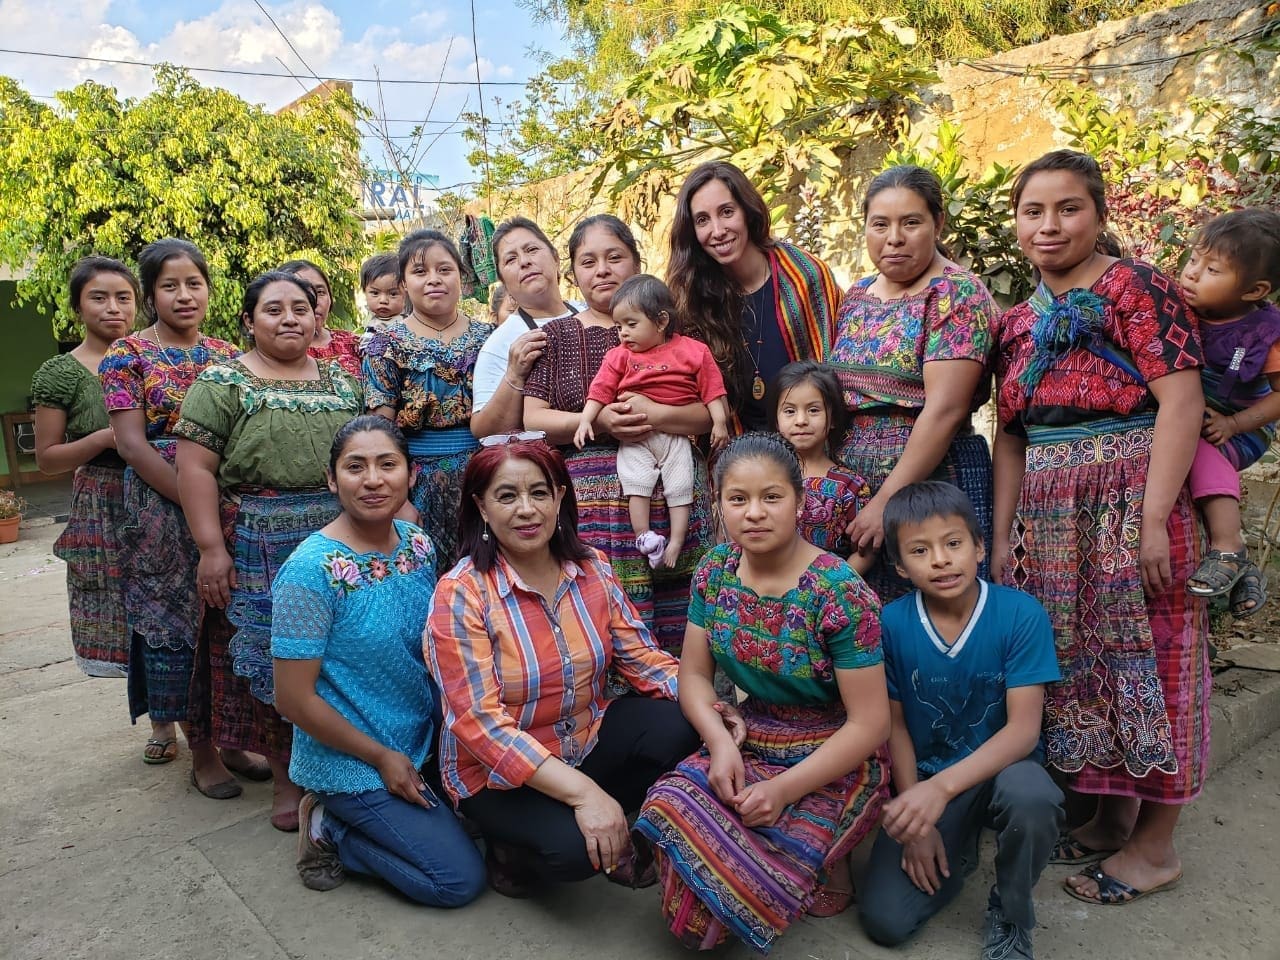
(485, 536)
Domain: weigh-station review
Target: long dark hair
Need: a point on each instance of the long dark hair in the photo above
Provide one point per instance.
(565, 544)
(706, 297)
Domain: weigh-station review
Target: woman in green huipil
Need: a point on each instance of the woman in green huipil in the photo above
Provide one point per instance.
(254, 441)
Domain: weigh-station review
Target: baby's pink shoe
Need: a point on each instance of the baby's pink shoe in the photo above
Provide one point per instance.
(652, 546)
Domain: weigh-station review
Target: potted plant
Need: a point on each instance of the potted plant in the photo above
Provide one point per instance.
(11, 507)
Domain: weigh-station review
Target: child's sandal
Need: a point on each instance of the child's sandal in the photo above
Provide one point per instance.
(1251, 587)
(1217, 573)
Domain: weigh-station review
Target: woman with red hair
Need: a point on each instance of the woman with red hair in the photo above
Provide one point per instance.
(521, 637)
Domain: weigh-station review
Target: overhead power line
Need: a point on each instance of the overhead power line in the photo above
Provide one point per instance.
(266, 73)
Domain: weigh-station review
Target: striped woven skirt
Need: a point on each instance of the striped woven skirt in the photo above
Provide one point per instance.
(873, 447)
(90, 547)
(661, 596)
(719, 877)
(269, 525)
(1131, 714)
(163, 607)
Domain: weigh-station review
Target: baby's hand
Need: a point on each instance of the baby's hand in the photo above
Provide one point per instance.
(1218, 428)
(719, 436)
(582, 434)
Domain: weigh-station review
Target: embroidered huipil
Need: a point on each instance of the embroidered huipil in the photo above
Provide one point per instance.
(523, 679)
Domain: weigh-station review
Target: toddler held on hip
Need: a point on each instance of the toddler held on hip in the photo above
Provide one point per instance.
(1233, 269)
(656, 362)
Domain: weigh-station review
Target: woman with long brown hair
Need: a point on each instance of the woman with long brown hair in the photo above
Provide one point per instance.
(758, 302)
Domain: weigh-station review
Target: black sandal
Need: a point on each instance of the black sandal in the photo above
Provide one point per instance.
(1251, 586)
(1218, 573)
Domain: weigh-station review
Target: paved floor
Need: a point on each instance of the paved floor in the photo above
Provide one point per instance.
(102, 857)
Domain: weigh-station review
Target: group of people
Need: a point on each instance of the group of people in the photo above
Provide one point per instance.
(468, 576)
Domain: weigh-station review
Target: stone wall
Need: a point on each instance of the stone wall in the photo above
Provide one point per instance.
(1157, 61)
(1004, 105)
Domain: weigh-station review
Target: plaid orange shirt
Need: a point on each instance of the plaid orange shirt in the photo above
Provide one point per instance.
(523, 679)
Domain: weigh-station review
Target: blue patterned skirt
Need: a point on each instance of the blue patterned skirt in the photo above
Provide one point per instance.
(269, 525)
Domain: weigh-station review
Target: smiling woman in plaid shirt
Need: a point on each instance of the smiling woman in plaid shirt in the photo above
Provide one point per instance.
(521, 636)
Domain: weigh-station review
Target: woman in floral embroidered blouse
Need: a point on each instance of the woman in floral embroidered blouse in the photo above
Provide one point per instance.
(1100, 408)
(419, 371)
(911, 350)
(752, 834)
(346, 634)
(144, 379)
(251, 452)
(521, 636)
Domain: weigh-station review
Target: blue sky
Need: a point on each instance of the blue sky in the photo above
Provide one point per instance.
(336, 38)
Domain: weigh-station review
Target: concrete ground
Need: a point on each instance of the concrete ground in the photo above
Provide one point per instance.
(102, 857)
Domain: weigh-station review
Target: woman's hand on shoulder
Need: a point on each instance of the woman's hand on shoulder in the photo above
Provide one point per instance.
(403, 779)
(524, 353)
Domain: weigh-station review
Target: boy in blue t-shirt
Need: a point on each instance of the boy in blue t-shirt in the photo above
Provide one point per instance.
(966, 663)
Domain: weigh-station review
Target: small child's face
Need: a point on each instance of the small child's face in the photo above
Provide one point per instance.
(802, 418)
(636, 331)
(1213, 286)
(939, 556)
(385, 297)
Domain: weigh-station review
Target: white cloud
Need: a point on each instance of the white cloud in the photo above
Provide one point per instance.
(235, 34)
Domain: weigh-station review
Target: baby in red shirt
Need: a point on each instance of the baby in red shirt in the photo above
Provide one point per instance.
(656, 362)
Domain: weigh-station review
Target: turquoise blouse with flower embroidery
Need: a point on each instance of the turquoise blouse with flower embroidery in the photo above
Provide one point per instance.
(361, 615)
(785, 650)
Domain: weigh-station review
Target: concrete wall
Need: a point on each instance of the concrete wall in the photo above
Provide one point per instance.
(28, 342)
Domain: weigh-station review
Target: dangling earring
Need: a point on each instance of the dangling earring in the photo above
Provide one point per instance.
(485, 536)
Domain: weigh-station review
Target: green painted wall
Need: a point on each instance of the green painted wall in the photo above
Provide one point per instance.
(28, 342)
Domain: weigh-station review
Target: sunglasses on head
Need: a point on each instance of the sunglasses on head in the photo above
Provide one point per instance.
(502, 439)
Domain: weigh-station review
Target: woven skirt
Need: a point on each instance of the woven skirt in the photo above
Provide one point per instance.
(720, 877)
(163, 607)
(660, 596)
(1131, 714)
(90, 547)
(269, 525)
(437, 496)
(873, 447)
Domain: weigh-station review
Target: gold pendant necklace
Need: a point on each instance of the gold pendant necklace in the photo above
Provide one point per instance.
(757, 382)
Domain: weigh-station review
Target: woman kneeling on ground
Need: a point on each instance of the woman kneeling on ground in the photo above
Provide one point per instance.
(521, 637)
(349, 606)
(751, 835)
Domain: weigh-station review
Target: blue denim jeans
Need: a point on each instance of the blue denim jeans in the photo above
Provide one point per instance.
(425, 854)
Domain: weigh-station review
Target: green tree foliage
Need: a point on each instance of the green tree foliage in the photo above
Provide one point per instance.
(95, 174)
(614, 38)
(785, 102)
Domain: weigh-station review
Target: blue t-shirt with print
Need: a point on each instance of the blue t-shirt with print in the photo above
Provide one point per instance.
(362, 616)
(953, 695)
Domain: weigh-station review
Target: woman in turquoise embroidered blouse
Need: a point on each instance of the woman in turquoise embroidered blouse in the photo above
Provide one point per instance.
(350, 607)
(912, 348)
(418, 372)
(253, 438)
